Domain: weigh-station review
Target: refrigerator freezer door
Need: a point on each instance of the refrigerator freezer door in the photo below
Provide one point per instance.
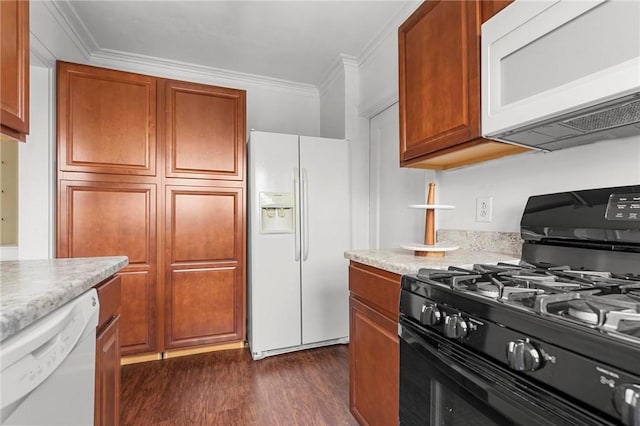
(325, 291)
(274, 274)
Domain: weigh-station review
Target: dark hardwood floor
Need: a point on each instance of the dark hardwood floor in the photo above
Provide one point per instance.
(309, 387)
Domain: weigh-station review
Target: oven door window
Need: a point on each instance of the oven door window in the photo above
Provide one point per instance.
(451, 409)
(443, 384)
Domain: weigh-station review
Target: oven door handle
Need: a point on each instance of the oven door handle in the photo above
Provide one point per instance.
(413, 338)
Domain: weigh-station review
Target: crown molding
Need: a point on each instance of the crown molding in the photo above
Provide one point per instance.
(338, 67)
(177, 69)
(40, 54)
(68, 20)
(343, 62)
(387, 29)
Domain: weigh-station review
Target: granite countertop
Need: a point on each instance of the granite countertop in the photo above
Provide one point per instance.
(30, 289)
(402, 261)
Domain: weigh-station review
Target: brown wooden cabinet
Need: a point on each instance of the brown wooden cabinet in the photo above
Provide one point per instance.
(154, 169)
(439, 65)
(374, 351)
(107, 389)
(14, 66)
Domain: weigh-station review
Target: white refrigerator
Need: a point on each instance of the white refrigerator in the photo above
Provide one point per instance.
(299, 227)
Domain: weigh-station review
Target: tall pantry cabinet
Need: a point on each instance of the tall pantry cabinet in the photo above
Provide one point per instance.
(154, 169)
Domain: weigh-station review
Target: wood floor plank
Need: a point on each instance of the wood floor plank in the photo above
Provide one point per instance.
(309, 387)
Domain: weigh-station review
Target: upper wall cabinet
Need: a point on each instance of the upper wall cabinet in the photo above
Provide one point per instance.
(107, 121)
(439, 53)
(200, 121)
(14, 65)
(109, 118)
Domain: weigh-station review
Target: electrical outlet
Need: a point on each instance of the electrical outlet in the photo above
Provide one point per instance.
(483, 209)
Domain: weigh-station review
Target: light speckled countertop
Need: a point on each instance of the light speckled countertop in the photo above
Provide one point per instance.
(30, 289)
(403, 261)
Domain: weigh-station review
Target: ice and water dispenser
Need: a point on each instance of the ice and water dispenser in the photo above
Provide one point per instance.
(277, 210)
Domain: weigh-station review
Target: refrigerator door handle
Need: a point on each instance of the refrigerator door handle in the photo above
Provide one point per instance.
(305, 214)
(296, 191)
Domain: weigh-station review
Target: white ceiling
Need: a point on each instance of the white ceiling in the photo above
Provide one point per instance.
(296, 41)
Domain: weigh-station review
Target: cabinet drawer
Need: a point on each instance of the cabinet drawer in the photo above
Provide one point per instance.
(109, 296)
(376, 287)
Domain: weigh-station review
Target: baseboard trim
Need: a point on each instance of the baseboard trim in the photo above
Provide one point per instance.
(174, 353)
(135, 359)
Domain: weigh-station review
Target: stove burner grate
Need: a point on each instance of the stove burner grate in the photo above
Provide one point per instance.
(594, 299)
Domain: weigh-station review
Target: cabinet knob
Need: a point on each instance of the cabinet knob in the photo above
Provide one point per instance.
(522, 355)
(455, 327)
(626, 399)
(430, 314)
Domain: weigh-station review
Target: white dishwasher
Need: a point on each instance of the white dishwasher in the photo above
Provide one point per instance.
(47, 374)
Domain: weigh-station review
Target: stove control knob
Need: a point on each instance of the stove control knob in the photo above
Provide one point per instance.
(455, 327)
(430, 314)
(522, 355)
(626, 399)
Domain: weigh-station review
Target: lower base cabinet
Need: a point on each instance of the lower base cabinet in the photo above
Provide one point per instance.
(107, 389)
(374, 346)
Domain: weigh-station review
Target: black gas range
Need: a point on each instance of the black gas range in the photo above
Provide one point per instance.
(554, 339)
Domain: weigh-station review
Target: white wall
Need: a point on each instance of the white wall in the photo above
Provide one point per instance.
(282, 111)
(332, 104)
(379, 67)
(37, 172)
(393, 188)
(386, 188)
(511, 180)
(379, 77)
(356, 130)
(340, 118)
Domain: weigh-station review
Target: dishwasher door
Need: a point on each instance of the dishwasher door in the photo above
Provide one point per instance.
(47, 372)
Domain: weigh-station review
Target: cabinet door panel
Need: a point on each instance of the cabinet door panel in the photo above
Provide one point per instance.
(106, 121)
(203, 303)
(138, 319)
(108, 219)
(14, 77)
(107, 397)
(205, 131)
(204, 278)
(439, 69)
(204, 223)
(373, 370)
(111, 221)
